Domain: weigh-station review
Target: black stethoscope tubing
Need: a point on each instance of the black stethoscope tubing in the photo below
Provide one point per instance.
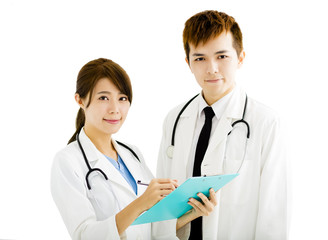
(90, 169)
(233, 124)
(178, 118)
(242, 120)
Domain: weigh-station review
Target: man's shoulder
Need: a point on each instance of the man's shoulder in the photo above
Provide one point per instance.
(262, 111)
(174, 112)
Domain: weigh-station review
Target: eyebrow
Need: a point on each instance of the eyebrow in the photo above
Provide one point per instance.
(222, 51)
(107, 92)
(104, 92)
(201, 54)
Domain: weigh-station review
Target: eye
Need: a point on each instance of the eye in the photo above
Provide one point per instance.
(199, 59)
(124, 98)
(222, 57)
(104, 98)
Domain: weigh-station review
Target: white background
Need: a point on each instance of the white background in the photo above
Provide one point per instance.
(44, 44)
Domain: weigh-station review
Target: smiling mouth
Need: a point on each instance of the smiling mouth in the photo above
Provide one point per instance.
(112, 121)
(214, 80)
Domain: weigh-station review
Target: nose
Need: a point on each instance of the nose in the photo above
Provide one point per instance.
(212, 67)
(113, 107)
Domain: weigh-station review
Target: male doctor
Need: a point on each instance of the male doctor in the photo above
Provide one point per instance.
(206, 142)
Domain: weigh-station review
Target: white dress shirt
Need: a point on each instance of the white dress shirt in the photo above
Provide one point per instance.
(218, 108)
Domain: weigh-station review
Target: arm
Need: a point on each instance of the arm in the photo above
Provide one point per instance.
(157, 190)
(273, 200)
(70, 195)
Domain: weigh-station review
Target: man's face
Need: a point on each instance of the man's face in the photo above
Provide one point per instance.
(214, 65)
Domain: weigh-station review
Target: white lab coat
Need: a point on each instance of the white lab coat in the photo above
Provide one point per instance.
(90, 214)
(254, 204)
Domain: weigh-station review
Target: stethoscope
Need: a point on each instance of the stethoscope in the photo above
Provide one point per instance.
(90, 169)
(170, 149)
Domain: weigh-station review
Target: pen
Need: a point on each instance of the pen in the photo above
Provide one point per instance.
(141, 183)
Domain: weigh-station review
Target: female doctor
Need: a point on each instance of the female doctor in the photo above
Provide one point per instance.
(94, 178)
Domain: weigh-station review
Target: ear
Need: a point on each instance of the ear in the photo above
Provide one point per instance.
(186, 59)
(79, 100)
(241, 59)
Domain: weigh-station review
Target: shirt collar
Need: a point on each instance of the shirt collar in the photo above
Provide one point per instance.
(218, 107)
(117, 164)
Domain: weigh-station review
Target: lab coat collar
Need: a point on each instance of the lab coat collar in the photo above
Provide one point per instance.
(98, 160)
(89, 148)
(233, 111)
(235, 107)
(190, 110)
(218, 107)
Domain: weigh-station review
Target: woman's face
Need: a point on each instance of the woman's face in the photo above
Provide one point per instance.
(107, 110)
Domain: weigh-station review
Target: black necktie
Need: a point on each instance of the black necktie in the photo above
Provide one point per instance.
(196, 225)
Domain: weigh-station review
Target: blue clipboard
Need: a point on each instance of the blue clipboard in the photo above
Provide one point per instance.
(176, 204)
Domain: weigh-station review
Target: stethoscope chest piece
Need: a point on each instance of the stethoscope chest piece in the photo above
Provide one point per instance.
(169, 151)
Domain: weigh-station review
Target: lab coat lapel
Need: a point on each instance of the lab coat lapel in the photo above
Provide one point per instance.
(213, 159)
(183, 140)
(133, 165)
(220, 133)
(217, 144)
(112, 173)
(98, 160)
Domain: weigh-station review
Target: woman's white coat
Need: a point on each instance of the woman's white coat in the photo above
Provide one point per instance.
(90, 214)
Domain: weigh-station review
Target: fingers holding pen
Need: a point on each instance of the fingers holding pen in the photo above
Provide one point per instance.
(167, 183)
(163, 187)
(164, 184)
(157, 190)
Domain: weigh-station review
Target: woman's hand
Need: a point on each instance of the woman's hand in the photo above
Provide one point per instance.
(203, 208)
(158, 188)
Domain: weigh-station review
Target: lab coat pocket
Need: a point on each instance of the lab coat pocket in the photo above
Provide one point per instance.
(102, 197)
(237, 192)
(236, 150)
(236, 159)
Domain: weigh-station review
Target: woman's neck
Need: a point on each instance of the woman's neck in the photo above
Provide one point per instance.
(103, 142)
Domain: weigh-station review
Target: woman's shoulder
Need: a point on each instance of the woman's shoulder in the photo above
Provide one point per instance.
(67, 155)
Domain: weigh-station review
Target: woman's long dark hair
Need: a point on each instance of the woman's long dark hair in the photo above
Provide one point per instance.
(88, 77)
